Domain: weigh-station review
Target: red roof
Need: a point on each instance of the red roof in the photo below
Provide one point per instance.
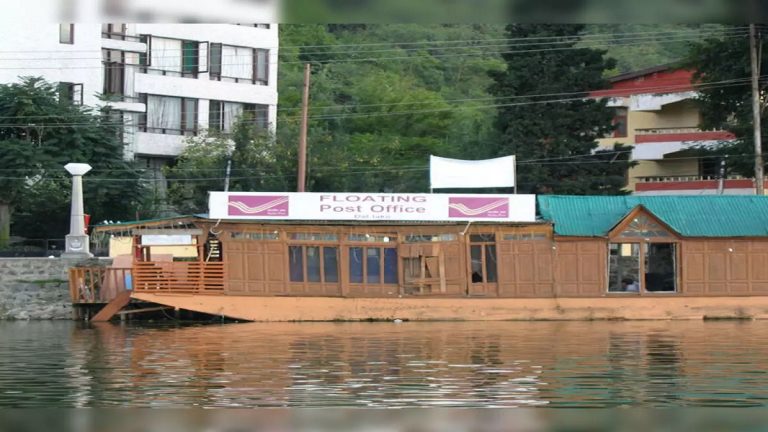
(656, 80)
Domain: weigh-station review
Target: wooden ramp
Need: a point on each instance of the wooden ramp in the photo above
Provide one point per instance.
(113, 307)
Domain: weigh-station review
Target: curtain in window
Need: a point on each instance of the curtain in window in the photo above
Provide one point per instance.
(166, 54)
(262, 66)
(232, 111)
(237, 62)
(163, 112)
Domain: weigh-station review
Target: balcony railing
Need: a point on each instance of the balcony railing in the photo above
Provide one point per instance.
(663, 131)
(179, 277)
(668, 179)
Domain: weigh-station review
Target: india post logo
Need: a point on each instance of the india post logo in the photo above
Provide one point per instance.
(248, 205)
(478, 207)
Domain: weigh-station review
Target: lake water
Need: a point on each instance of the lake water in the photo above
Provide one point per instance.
(371, 365)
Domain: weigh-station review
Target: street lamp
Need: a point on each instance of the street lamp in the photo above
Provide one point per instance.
(77, 241)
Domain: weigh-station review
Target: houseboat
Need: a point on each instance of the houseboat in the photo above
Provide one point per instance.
(325, 257)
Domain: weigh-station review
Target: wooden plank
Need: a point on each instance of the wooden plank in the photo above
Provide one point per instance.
(149, 309)
(441, 258)
(107, 312)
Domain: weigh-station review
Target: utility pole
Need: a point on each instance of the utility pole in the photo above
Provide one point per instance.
(302, 177)
(756, 113)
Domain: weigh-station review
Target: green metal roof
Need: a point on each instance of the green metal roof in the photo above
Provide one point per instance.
(689, 216)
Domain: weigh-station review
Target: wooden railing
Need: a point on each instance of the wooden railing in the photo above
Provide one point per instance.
(97, 284)
(179, 277)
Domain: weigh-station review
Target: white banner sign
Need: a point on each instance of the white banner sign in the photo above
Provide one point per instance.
(372, 207)
(456, 173)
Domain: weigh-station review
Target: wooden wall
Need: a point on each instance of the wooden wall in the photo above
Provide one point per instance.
(530, 264)
(724, 267)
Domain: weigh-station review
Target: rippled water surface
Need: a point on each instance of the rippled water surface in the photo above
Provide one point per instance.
(501, 364)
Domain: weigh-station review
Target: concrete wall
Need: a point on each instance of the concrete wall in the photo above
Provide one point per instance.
(34, 288)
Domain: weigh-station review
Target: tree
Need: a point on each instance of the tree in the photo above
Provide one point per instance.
(39, 134)
(722, 68)
(259, 162)
(551, 125)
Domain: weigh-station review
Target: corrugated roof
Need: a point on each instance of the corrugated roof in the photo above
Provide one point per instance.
(689, 216)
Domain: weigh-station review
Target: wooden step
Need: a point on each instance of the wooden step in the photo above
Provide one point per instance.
(112, 308)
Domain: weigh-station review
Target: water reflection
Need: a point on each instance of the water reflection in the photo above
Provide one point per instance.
(503, 364)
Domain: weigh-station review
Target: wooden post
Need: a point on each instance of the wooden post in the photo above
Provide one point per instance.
(302, 177)
(756, 114)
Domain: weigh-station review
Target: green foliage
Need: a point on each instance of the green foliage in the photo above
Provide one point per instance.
(728, 107)
(39, 135)
(566, 129)
(258, 163)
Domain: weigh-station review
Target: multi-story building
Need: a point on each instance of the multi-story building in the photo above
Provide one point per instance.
(166, 82)
(657, 114)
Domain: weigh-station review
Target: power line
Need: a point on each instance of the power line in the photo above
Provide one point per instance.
(609, 40)
(370, 59)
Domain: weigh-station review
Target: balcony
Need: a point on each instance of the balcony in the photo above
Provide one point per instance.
(679, 134)
(693, 185)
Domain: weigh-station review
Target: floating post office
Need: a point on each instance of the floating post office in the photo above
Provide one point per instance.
(312, 256)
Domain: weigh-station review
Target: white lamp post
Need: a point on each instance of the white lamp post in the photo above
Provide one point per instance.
(77, 241)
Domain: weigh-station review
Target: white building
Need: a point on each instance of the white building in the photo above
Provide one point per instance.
(167, 81)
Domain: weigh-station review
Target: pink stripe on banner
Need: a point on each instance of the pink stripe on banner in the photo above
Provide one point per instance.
(261, 205)
(478, 207)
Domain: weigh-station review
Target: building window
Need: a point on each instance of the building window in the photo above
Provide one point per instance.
(113, 31)
(223, 115)
(313, 264)
(620, 123)
(482, 251)
(71, 93)
(238, 235)
(429, 238)
(114, 72)
(624, 267)
(643, 226)
(373, 265)
(169, 115)
(239, 64)
(67, 33)
(171, 57)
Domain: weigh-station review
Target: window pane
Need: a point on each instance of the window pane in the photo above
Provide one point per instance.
(624, 267)
(482, 237)
(390, 266)
(163, 113)
(262, 66)
(313, 264)
(189, 56)
(660, 267)
(426, 238)
(313, 236)
(296, 263)
(490, 262)
(331, 264)
(374, 265)
(214, 115)
(215, 52)
(356, 265)
(190, 114)
(476, 253)
(66, 33)
(380, 238)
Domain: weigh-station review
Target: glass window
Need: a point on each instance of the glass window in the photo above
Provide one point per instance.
(390, 266)
(373, 264)
(296, 263)
(660, 265)
(255, 235)
(643, 226)
(476, 254)
(624, 267)
(427, 238)
(262, 66)
(66, 33)
(620, 123)
(189, 58)
(189, 116)
(215, 54)
(331, 264)
(313, 236)
(482, 237)
(379, 238)
(356, 265)
(313, 264)
(490, 263)
(525, 236)
(170, 115)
